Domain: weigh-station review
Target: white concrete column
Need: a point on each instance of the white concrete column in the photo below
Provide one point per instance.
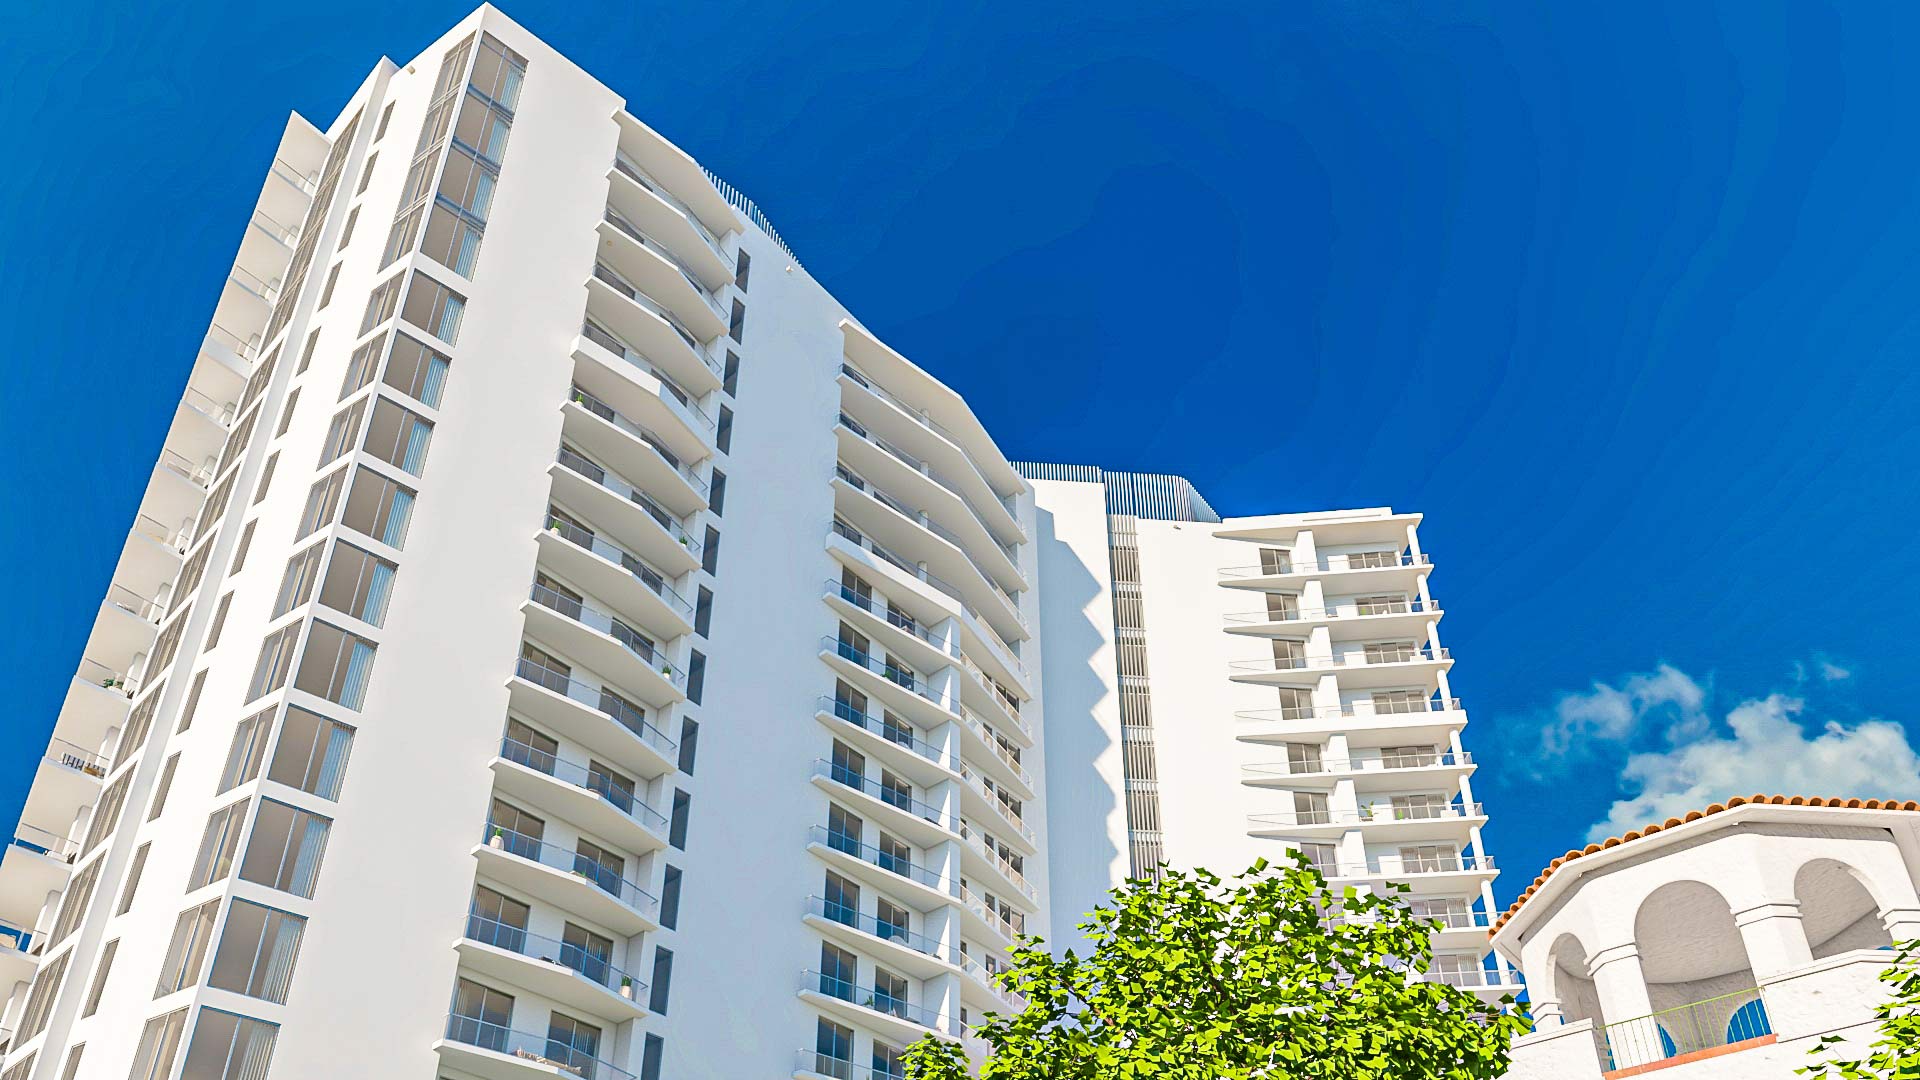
(1775, 938)
(1621, 985)
(1903, 923)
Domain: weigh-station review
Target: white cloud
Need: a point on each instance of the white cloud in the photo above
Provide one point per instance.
(1833, 672)
(1763, 749)
(1610, 713)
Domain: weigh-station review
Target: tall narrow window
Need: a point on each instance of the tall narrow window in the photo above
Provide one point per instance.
(434, 308)
(285, 849)
(742, 263)
(229, 1047)
(165, 785)
(322, 500)
(33, 1015)
(670, 898)
(100, 973)
(217, 845)
(737, 323)
(219, 623)
(311, 753)
(379, 508)
(276, 659)
(336, 665)
(723, 431)
(662, 981)
(133, 879)
(677, 828)
(416, 370)
(188, 952)
(192, 703)
(398, 436)
(159, 1046)
(258, 947)
(730, 381)
(248, 748)
(358, 584)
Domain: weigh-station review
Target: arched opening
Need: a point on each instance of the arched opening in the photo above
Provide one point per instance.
(1699, 980)
(1578, 998)
(1837, 911)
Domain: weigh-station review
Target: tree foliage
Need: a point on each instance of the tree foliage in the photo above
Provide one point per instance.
(1896, 1054)
(1268, 976)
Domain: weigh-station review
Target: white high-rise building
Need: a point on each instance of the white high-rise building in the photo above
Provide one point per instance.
(558, 640)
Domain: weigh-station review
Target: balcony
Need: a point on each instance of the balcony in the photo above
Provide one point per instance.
(986, 921)
(888, 464)
(600, 430)
(892, 483)
(649, 330)
(17, 964)
(246, 299)
(895, 1016)
(814, 1065)
(893, 743)
(97, 701)
(199, 427)
(492, 1051)
(646, 202)
(656, 271)
(1723, 1024)
(1345, 622)
(567, 880)
(585, 797)
(1357, 669)
(878, 867)
(266, 247)
(599, 720)
(1406, 823)
(1398, 570)
(630, 517)
(894, 684)
(899, 948)
(980, 803)
(605, 644)
(67, 779)
(177, 490)
(667, 164)
(1368, 774)
(631, 395)
(991, 862)
(1429, 719)
(635, 590)
(922, 824)
(1481, 981)
(36, 863)
(888, 521)
(979, 692)
(124, 628)
(994, 759)
(152, 556)
(557, 970)
(1444, 871)
(986, 986)
(888, 620)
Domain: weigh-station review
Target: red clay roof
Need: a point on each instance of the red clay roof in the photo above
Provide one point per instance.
(1695, 815)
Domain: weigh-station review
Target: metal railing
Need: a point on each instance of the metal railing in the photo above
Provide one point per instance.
(308, 183)
(220, 413)
(988, 981)
(1394, 866)
(620, 420)
(532, 1047)
(283, 234)
(640, 176)
(872, 386)
(985, 734)
(611, 278)
(596, 969)
(634, 233)
(1369, 815)
(889, 669)
(99, 674)
(619, 485)
(982, 628)
(198, 475)
(1329, 564)
(78, 758)
(990, 915)
(1411, 654)
(609, 341)
(631, 563)
(45, 842)
(873, 998)
(1329, 766)
(897, 734)
(885, 860)
(1007, 815)
(609, 881)
(924, 520)
(1351, 710)
(904, 623)
(140, 607)
(1473, 979)
(980, 845)
(1415, 606)
(860, 431)
(593, 618)
(251, 282)
(739, 201)
(925, 811)
(848, 915)
(818, 1063)
(1700, 1025)
(158, 532)
(245, 348)
(614, 708)
(621, 798)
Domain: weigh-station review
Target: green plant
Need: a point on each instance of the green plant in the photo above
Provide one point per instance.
(1896, 1054)
(1266, 977)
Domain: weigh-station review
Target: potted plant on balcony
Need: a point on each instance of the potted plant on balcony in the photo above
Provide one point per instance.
(626, 987)
(498, 840)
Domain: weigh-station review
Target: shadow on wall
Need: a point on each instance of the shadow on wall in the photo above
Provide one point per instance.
(1079, 676)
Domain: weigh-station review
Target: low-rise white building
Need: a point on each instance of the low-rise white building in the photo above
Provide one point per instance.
(1723, 944)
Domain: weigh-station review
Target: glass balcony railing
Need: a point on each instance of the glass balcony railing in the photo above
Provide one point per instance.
(540, 1050)
(1370, 815)
(80, 760)
(952, 592)
(1406, 866)
(619, 485)
(1413, 606)
(1408, 654)
(921, 518)
(614, 707)
(847, 915)
(875, 998)
(890, 861)
(1367, 560)
(1008, 816)
(1331, 766)
(860, 431)
(611, 342)
(989, 913)
(819, 1063)
(986, 735)
(611, 278)
(868, 383)
(640, 176)
(634, 233)
(980, 845)
(990, 981)
(1352, 710)
(197, 475)
(606, 878)
(894, 617)
(631, 563)
(617, 791)
(618, 419)
(900, 800)
(588, 963)
(44, 842)
(593, 618)
(887, 668)
(878, 724)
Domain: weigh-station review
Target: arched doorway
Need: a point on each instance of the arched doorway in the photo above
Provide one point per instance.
(1836, 910)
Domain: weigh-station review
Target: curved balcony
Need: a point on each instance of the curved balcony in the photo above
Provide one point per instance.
(898, 947)
(994, 759)
(557, 970)
(97, 701)
(151, 558)
(979, 693)
(568, 881)
(592, 800)
(246, 300)
(1351, 621)
(1442, 872)
(658, 272)
(1380, 569)
(646, 396)
(893, 683)
(1000, 870)
(647, 203)
(890, 625)
(1357, 670)
(984, 922)
(1397, 823)
(1367, 774)
(604, 644)
(880, 868)
(893, 467)
(979, 802)
(982, 985)
(814, 1065)
(647, 329)
(17, 964)
(124, 629)
(177, 490)
(897, 745)
(1432, 718)
(634, 589)
(921, 824)
(68, 778)
(629, 516)
(598, 719)
(36, 863)
(600, 430)
(199, 427)
(490, 1051)
(895, 1016)
(895, 524)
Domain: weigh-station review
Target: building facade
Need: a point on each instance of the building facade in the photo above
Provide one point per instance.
(1725, 944)
(557, 639)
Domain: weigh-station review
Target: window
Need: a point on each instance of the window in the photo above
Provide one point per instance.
(73, 905)
(741, 264)
(662, 980)
(737, 323)
(159, 1045)
(106, 812)
(326, 291)
(379, 508)
(258, 947)
(229, 1047)
(416, 370)
(240, 552)
(689, 742)
(838, 972)
(710, 554)
(346, 231)
(21, 1069)
(844, 830)
(723, 431)
(434, 308)
(33, 1015)
(165, 785)
(696, 675)
(342, 433)
(366, 175)
(285, 849)
(650, 1055)
(670, 898)
(133, 879)
(192, 704)
(573, 1043)
(322, 500)
(717, 493)
(833, 1050)
(386, 115)
(730, 381)
(286, 414)
(188, 952)
(217, 846)
(480, 1016)
(358, 583)
(381, 304)
(398, 436)
(168, 642)
(703, 612)
(276, 659)
(219, 623)
(72, 1068)
(296, 585)
(336, 665)
(306, 355)
(135, 733)
(311, 753)
(841, 900)
(100, 974)
(677, 830)
(244, 755)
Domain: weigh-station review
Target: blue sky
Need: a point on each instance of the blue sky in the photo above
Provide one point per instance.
(1621, 296)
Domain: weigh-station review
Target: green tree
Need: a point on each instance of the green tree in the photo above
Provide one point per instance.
(1267, 977)
(1896, 1055)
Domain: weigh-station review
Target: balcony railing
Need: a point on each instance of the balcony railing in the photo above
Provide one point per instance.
(282, 233)
(873, 387)
(158, 532)
(822, 1064)
(980, 846)
(899, 800)
(618, 419)
(265, 290)
(612, 279)
(1473, 979)
(860, 431)
(1701, 1025)
(1351, 710)
(134, 604)
(1411, 654)
(619, 486)
(43, 842)
(1369, 815)
(632, 231)
(536, 1049)
(1008, 701)
(609, 881)
(1384, 763)
(94, 672)
(945, 588)
(307, 183)
(988, 979)
(620, 797)
(985, 734)
(595, 619)
(79, 759)
(1370, 560)
(921, 518)
(596, 969)
(894, 672)
(640, 176)
(198, 475)
(607, 340)
(220, 414)
(989, 914)
(880, 857)
(615, 708)
(1007, 815)
(14, 938)
(1415, 606)
(902, 622)
(873, 998)
(631, 563)
(896, 733)
(847, 915)
(1395, 866)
